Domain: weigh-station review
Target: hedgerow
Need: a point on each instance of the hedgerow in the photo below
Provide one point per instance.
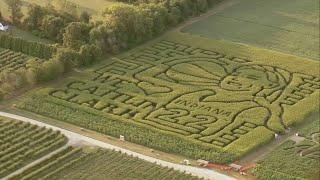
(36, 49)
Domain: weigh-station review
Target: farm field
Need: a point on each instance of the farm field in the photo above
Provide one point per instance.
(93, 163)
(293, 160)
(187, 95)
(11, 60)
(53, 164)
(107, 164)
(22, 143)
(289, 26)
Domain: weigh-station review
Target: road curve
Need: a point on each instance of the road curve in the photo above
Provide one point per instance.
(75, 138)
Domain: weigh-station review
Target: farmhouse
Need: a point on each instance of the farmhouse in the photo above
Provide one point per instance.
(3, 27)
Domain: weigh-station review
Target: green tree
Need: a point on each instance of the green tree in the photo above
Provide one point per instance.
(89, 54)
(52, 26)
(34, 17)
(76, 34)
(108, 37)
(85, 17)
(15, 10)
(51, 69)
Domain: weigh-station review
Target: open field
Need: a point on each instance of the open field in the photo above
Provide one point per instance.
(293, 160)
(92, 163)
(22, 143)
(92, 6)
(16, 32)
(187, 95)
(290, 26)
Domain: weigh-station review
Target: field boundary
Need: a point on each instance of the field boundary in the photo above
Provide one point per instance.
(77, 138)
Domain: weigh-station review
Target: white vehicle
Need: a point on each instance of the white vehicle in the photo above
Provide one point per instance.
(3, 28)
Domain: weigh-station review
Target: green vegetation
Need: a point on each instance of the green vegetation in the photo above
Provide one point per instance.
(312, 128)
(186, 95)
(11, 61)
(22, 143)
(31, 48)
(293, 160)
(26, 35)
(82, 40)
(114, 165)
(287, 26)
(14, 7)
(52, 165)
(87, 163)
(93, 6)
(182, 94)
(23, 63)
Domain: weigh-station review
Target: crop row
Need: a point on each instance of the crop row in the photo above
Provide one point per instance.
(21, 143)
(52, 164)
(10, 60)
(298, 160)
(114, 165)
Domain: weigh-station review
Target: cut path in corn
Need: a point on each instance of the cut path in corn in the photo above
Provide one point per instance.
(75, 138)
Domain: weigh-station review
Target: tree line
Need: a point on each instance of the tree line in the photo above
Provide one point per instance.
(82, 40)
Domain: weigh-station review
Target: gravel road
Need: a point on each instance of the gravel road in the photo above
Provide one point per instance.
(75, 138)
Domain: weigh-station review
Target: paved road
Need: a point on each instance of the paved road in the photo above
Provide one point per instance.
(35, 162)
(75, 138)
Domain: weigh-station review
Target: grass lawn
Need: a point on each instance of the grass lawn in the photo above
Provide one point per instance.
(17, 32)
(290, 26)
(187, 95)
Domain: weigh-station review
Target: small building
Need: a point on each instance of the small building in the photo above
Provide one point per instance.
(3, 27)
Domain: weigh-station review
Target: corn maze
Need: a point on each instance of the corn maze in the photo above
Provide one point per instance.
(202, 96)
(21, 143)
(11, 61)
(299, 160)
(310, 146)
